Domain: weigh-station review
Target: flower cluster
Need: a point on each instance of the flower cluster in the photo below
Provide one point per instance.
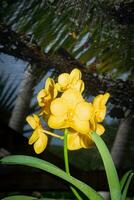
(63, 106)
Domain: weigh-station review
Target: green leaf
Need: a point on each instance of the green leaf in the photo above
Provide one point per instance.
(111, 172)
(48, 167)
(124, 194)
(124, 179)
(19, 197)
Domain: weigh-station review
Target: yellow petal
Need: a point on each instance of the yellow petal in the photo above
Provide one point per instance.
(42, 93)
(81, 126)
(49, 83)
(52, 90)
(36, 118)
(77, 140)
(48, 93)
(105, 99)
(63, 80)
(97, 101)
(41, 143)
(58, 107)
(73, 141)
(100, 114)
(93, 123)
(32, 122)
(86, 141)
(101, 100)
(57, 122)
(79, 86)
(42, 97)
(45, 110)
(75, 75)
(34, 137)
(84, 111)
(99, 106)
(55, 92)
(100, 129)
(72, 98)
(58, 87)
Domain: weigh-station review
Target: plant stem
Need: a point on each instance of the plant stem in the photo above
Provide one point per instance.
(66, 152)
(67, 164)
(52, 134)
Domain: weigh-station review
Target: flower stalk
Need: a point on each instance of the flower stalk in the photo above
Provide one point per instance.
(52, 134)
(66, 152)
(67, 164)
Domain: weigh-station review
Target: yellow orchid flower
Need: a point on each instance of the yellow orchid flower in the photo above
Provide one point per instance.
(72, 80)
(99, 104)
(46, 95)
(38, 138)
(70, 111)
(77, 140)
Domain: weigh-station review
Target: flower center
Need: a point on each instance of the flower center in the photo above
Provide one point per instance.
(70, 115)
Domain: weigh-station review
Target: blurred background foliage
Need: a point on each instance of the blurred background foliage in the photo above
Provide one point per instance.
(98, 33)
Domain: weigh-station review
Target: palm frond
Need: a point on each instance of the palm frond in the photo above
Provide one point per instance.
(8, 96)
(52, 24)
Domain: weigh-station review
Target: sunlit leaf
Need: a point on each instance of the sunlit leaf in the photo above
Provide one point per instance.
(19, 197)
(125, 183)
(112, 177)
(48, 167)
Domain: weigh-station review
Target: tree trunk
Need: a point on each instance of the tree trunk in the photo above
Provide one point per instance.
(119, 148)
(23, 100)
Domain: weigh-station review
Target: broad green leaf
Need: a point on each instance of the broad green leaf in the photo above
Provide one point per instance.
(124, 194)
(111, 172)
(124, 179)
(48, 167)
(19, 197)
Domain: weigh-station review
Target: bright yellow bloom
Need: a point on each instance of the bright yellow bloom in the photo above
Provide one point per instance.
(46, 95)
(68, 110)
(71, 111)
(72, 80)
(38, 138)
(99, 104)
(77, 140)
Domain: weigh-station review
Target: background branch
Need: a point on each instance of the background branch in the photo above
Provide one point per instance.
(19, 46)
